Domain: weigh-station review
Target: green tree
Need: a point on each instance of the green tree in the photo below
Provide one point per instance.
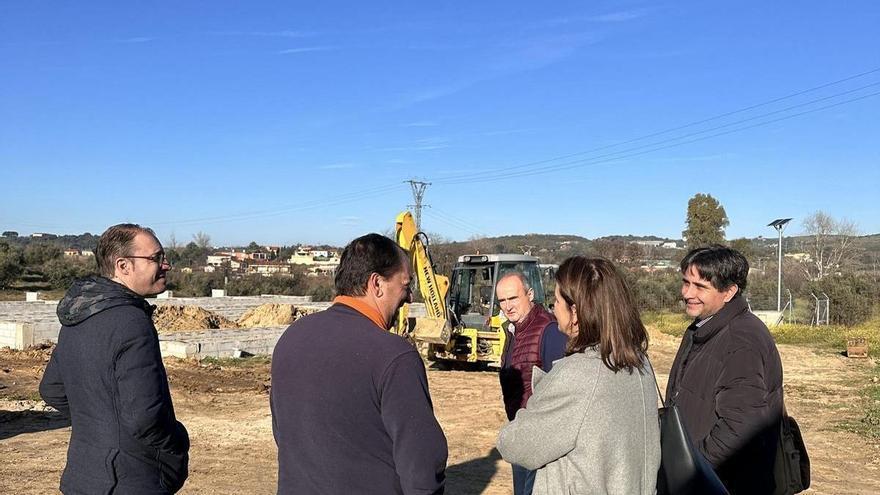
(202, 240)
(852, 297)
(706, 221)
(10, 264)
(191, 255)
(61, 272)
(37, 253)
(745, 247)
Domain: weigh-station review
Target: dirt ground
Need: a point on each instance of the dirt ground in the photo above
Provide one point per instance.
(226, 410)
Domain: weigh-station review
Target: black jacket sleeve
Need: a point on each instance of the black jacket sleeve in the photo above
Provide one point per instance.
(419, 446)
(146, 411)
(52, 387)
(741, 406)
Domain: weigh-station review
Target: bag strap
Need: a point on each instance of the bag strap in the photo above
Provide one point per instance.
(656, 383)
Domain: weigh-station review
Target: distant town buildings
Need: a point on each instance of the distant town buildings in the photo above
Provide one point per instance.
(660, 244)
(78, 253)
(317, 262)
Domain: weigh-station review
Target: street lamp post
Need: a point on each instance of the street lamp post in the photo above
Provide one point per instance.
(779, 225)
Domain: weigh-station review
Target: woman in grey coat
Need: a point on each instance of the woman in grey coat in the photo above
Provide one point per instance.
(591, 425)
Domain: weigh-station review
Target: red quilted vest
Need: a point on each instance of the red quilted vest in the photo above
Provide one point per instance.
(516, 371)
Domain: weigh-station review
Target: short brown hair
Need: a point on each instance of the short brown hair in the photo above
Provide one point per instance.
(368, 254)
(720, 265)
(606, 313)
(116, 243)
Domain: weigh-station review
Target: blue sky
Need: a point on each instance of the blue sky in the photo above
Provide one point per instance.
(288, 123)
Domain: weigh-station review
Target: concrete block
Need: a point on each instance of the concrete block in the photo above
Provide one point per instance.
(170, 348)
(31, 296)
(218, 292)
(24, 335)
(168, 294)
(46, 331)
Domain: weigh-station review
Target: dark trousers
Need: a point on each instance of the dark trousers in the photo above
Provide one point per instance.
(523, 480)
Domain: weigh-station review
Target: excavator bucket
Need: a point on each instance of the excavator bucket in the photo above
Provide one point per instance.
(430, 330)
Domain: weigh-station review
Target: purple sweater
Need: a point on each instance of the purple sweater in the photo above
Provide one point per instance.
(351, 411)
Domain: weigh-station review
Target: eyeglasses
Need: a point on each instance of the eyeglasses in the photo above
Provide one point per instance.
(158, 258)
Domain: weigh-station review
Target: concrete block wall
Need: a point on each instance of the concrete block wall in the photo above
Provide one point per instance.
(220, 343)
(27, 323)
(233, 307)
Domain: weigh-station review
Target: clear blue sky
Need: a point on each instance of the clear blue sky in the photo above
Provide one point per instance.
(284, 122)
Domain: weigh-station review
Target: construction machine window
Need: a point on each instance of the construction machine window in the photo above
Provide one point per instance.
(472, 291)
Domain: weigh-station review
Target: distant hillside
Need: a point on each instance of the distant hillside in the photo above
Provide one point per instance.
(85, 241)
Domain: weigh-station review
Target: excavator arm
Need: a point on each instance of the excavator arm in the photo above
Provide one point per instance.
(435, 328)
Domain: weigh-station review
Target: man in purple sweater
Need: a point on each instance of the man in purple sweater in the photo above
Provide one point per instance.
(351, 411)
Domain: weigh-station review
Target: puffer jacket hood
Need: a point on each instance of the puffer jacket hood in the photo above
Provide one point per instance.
(89, 296)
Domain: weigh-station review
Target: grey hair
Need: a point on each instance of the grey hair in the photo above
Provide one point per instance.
(522, 278)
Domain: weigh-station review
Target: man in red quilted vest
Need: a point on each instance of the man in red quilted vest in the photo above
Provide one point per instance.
(533, 339)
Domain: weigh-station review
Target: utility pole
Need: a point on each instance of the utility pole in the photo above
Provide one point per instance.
(418, 190)
(779, 225)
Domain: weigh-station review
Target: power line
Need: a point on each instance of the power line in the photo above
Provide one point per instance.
(451, 179)
(453, 223)
(602, 159)
(280, 210)
(477, 228)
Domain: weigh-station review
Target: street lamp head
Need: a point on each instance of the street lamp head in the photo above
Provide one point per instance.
(779, 223)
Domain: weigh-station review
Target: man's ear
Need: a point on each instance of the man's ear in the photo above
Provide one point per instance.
(730, 292)
(531, 294)
(374, 284)
(123, 266)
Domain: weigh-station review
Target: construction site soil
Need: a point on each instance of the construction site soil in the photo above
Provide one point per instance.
(225, 407)
(169, 318)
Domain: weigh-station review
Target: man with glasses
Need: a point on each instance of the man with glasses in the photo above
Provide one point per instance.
(106, 373)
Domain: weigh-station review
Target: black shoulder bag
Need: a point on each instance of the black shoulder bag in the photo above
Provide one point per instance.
(683, 469)
(792, 468)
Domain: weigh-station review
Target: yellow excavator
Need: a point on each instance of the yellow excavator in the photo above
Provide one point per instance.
(463, 318)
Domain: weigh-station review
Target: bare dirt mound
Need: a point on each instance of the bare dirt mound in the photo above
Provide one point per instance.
(272, 315)
(170, 319)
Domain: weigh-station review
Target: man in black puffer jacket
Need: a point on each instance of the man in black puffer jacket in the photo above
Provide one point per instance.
(107, 374)
(727, 375)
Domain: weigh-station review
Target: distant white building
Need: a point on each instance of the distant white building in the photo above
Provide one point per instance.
(217, 260)
(305, 256)
(649, 243)
(656, 265)
(802, 257)
(268, 268)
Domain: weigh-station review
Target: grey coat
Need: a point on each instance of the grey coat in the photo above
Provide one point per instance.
(587, 429)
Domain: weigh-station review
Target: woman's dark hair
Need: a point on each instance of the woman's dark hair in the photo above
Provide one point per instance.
(720, 265)
(372, 253)
(606, 313)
